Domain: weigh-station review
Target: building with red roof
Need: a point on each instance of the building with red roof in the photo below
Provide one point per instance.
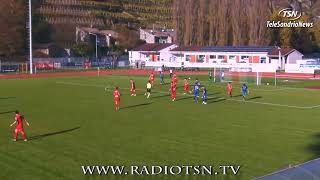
(212, 56)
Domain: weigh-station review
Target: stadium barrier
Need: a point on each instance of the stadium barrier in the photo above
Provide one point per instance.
(302, 68)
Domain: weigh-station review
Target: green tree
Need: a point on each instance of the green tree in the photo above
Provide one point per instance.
(13, 27)
(286, 37)
(84, 49)
(316, 35)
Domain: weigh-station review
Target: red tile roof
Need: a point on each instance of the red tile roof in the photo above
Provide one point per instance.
(152, 47)
(284, 51)
(157, 32)
(187, 48)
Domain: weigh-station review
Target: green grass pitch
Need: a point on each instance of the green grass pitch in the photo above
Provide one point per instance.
(73, 123)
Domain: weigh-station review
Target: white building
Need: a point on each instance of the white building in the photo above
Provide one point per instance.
(151, 53)
(208, 56)
(105, 38)
(157, 36)
(264, 57)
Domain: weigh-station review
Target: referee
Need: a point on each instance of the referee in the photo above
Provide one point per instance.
(148, 93)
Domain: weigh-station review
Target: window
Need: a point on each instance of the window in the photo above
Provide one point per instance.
(244, 59)
(188, 58)
(232, 57)
(220, 57)
(263, 60)
(201, 58)
(213, 57)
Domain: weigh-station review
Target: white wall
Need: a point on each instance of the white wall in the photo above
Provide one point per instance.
(146, 36)
(136, 56)
(165, 54)
(262, 54)
(301, 68)
(293, 57)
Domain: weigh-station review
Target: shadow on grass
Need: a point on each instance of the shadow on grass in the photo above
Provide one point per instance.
(136, 105)
(215, 100)
(161, 96)
(7, 98)
(165, 83)
(53, 133)
(184, 98)
(6, 112)
(239, 95)
(314, 148)
(256, 97)
(212, 94)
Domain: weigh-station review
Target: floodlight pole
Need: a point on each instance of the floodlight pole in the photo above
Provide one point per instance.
(279, 64)
(30, 38)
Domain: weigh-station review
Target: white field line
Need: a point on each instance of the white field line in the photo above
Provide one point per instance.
(163, 92)
(272, 88)
(274, 104)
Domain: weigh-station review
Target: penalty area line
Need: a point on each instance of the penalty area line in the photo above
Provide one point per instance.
(274, 104)
(235, 100)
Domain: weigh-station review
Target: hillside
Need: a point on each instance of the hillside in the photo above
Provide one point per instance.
(64, 15)
(105, 13)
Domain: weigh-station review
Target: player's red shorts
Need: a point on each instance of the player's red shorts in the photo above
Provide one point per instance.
(17, 130)
(186, 88)
(174, 95)
(117, 101)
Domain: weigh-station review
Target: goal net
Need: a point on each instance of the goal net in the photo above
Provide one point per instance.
(240, 75)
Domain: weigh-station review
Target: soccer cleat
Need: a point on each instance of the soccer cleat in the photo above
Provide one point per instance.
(25, 140)
(14, 139)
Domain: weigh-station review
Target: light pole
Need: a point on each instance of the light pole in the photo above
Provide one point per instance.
(108, 49)
(280, 58)
(30, 38)
(279, 62)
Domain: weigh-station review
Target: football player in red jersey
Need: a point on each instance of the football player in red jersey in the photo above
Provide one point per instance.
(151, 78)
(186, 86)
(19, 128)
(133, 88)
(174, 78)
(116, 95)
(230, 89)
(173, 89)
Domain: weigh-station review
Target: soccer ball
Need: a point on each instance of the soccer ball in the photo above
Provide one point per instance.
(189, 78)
(267, 84)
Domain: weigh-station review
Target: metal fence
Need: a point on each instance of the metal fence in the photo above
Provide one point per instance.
(64, 64)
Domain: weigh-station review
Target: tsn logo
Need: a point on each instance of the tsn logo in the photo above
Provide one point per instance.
(290, 14)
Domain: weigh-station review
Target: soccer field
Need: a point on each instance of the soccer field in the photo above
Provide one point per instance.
(73, 123)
